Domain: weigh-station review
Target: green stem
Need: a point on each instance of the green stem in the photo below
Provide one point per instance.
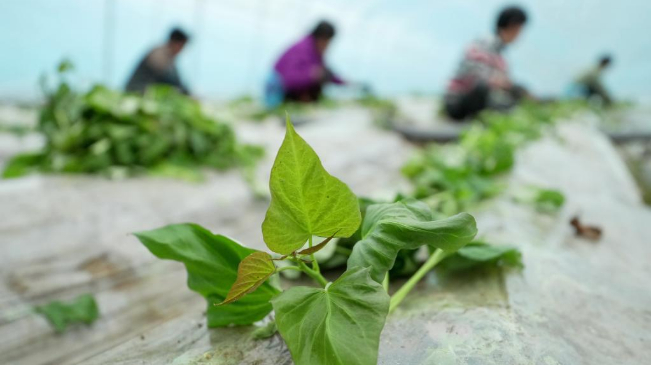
(315, 265)
(312, 273)
(398, 297)
(288, 268)
(343, 250)
(385, 282)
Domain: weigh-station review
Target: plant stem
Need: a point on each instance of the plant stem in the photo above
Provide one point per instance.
(312, 273)
(398, 297)
(315, 265)
(288, 268)
(343, 250)
(385, 282)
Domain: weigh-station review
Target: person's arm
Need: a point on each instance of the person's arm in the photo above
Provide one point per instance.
(334, 78)
(602, 92)
(177, 82)
(479, 65)
(164, 70)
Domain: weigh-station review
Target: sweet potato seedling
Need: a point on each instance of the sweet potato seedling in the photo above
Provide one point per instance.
(334, 323)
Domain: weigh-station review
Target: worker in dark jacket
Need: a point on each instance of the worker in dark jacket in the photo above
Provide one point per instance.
(159, 65)
(590, 84)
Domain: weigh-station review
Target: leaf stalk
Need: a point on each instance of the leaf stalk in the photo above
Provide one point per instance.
(315, 265)
(400, 295)
(312, 273)
(296, 268)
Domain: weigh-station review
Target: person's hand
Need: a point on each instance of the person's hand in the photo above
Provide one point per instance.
(320, 74)
(365, 88)
(501, 83)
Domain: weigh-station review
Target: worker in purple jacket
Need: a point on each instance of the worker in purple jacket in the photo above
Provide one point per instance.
(300, 73)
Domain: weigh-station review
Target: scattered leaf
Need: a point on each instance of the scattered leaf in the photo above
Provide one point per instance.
(305, 199)
(82, 309)
(544, 200)
(22, 164)
(337, 325)
(265, 331)
(549, 200)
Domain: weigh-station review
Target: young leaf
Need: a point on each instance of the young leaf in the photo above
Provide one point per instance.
(254, 270)
(338, 325)
(60, 315)
(479, 253)
(316, 248)
(406, 225)
(305, 199)
(265, 331)
(211, 261)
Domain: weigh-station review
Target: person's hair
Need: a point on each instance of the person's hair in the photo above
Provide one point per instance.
(323, 30)
(178, 35)
(605, 60)
(510, 16)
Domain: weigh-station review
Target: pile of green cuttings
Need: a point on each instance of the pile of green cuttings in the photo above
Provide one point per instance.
(453, 179)
(107, 132)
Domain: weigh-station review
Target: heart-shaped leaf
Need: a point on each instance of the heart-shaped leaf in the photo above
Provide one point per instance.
(211, 261)
(338, 325)
(305, 200)
(254, 270)
(409, 224)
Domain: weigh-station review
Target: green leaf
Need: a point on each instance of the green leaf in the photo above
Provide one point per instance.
(487, 151)
(544, 200)
(305, 199)
(479, 254)
(171, 170)
(549, 200)
(406, 225)
(265, 331)
(65, 65)
(338, 325)
(22, 164)
(82, 309)
(211, 261)
(254, 270)
(316, 248)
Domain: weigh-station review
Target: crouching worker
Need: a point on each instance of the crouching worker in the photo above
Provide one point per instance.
(159, 65)
(300, 73)
(482, 79)
(589, 84)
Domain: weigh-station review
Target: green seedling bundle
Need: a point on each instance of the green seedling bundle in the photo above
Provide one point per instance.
(103, 131)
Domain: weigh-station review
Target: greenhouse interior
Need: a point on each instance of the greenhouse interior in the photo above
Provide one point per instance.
(311, 182)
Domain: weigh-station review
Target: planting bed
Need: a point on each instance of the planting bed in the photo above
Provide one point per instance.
(575, 302)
